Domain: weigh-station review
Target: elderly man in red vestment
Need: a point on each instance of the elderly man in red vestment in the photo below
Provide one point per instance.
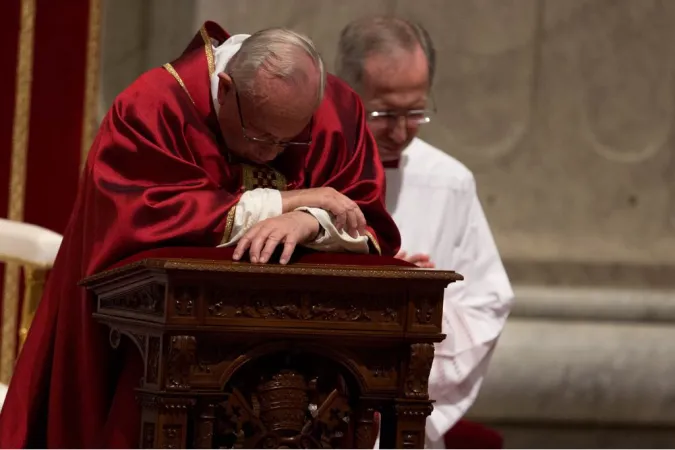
(243, 141)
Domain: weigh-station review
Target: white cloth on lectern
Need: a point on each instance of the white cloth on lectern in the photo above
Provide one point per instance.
(432, 198)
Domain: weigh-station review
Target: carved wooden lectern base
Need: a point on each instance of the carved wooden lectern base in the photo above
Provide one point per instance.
(251, 356)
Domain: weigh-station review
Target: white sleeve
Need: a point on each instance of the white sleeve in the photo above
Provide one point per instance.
(474, 314)
(253, 207)
(332, 240)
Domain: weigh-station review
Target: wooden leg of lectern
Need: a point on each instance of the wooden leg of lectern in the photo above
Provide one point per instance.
(366, 431)
(149, 420)
(411, 418)
(172, 429)
(205, 422)
(164, 421)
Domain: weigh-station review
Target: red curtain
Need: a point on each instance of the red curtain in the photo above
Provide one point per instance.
(47, 115)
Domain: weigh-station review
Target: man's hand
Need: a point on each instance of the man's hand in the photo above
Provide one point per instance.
(348, 215)
(419, 259)
(290, 229)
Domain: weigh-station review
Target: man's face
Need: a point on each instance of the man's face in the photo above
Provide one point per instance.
(259, 128)
(395, 90)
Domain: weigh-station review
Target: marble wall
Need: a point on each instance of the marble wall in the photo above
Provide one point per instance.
(563, 109)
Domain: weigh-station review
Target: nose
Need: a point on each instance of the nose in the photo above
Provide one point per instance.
(398, 130)
(271, 152)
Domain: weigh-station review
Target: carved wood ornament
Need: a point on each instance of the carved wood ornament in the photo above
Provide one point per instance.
(250, 356)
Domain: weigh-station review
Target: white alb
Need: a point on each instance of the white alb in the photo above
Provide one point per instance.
(432, 198)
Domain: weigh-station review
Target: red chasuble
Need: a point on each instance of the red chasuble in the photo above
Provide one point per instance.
(158, 175)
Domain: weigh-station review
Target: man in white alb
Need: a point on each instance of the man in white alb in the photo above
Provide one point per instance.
(432, 197)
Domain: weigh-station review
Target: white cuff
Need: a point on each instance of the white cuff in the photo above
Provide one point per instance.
(332, 240)
(253, 207)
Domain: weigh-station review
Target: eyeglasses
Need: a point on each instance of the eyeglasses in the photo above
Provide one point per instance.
(270, 141)
(412, 117)
(392, 118)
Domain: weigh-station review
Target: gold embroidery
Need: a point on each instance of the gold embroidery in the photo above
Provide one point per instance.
(282, 184)
(34, 288)
(17, 182)
(208, 48)
(90, 119)
(262, 177)
(374, 242)
(169, 68)
(246, 177)
(229, 224)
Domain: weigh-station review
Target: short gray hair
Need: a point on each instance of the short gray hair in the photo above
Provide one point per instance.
(273, 50)
(378, 35)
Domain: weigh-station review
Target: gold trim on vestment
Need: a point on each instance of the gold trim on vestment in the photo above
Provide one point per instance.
(208, 48)
(229, 225)
(374, 242)
(246, 177)
(91, 85)
(281, 183)
(169, 68)
(262, 177)
(17, 182)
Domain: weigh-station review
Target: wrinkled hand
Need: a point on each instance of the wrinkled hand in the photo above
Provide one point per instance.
(419, 259)
(348, 215)
(289, 229)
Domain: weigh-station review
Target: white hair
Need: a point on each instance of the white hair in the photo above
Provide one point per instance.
(275, 51)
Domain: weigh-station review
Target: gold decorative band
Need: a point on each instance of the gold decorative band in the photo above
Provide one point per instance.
(93, 64)
(255, 177)
(374, 242)
(34, 288)
(169, 68)
(229, 224)
(17, 182)
(208, 48)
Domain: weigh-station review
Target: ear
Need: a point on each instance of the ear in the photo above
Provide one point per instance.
(224, 86)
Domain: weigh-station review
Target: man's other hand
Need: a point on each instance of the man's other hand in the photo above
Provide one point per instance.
(288, 229)
(419, 259)
(348, 215)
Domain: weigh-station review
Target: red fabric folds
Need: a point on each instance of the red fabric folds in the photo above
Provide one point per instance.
(467, 434)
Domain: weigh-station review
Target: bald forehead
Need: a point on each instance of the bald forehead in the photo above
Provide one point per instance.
(298, 91)
(283, 106)
(399, 69)
(305, 76)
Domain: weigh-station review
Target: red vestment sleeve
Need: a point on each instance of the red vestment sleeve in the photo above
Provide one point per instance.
(345, 158)
(149, 184)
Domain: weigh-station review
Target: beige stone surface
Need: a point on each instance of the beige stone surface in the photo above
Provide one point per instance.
(585, 436)
(607, 305)
(582, 371)
(563, 109)
(139, 35)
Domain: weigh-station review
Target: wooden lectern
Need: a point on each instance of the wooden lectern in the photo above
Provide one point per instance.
(267, 356)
